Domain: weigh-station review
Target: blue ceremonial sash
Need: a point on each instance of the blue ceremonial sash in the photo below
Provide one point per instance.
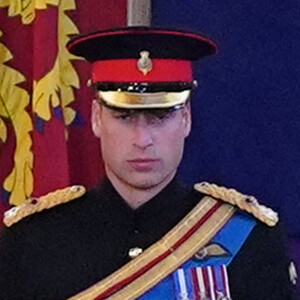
(231, 237)
(204, 232)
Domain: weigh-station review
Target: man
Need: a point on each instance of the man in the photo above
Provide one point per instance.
(141, 234)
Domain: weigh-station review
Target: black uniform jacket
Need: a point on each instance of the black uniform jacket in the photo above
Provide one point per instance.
(64, 250)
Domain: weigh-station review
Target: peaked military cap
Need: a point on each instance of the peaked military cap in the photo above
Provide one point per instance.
(141, 67)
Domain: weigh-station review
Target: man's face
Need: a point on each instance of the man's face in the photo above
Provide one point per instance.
(141, 150)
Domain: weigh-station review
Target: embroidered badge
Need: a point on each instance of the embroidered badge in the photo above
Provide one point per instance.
(212, 250)
(144, 64)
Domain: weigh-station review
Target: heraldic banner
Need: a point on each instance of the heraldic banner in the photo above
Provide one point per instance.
(45, 137)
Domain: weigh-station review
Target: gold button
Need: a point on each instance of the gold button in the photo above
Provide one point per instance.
(134, 252)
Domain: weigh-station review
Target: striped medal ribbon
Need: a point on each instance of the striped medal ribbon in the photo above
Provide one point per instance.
(202, 283)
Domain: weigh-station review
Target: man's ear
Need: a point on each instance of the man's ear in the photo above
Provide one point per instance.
(187, 118)
(96, 118)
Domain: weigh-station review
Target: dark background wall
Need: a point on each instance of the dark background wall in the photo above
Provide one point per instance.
(246, 112)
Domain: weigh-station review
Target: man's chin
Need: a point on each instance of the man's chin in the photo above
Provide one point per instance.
(141, 180)
(149, 182)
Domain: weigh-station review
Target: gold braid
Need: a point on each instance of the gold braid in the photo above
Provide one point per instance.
(34, 205)
(244, 202)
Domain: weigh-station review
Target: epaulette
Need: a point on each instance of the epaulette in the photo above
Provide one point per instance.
(244, 202)
(34, 205)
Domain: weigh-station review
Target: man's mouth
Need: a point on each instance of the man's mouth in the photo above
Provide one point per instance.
(143, 164)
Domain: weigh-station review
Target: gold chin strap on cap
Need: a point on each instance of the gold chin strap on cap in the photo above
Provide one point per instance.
(158, 100)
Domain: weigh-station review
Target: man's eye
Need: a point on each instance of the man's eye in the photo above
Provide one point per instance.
(123, 117)
(163, 116)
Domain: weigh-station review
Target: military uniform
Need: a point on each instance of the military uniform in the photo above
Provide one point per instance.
(62, 251)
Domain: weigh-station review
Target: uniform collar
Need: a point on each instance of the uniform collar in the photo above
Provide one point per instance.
(159, 214)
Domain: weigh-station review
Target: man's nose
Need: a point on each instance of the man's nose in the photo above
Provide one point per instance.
(142, 134)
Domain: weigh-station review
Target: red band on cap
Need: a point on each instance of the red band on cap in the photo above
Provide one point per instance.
(126, 70)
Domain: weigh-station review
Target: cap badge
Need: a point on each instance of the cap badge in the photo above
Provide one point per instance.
(144, 63)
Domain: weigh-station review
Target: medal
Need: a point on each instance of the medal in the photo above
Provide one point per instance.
(202, 283)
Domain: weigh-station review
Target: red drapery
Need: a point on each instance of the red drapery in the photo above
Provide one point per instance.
(45, 137)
